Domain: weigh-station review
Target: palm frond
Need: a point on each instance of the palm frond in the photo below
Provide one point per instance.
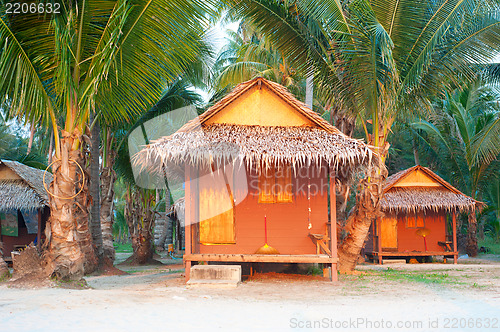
(485, 146)
(26, 59)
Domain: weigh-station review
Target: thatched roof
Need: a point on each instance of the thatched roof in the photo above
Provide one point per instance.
(415, 198)
(202, 144)
(26, 193)
(177, 210)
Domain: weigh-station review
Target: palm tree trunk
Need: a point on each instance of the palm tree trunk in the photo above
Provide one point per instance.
(32, 135)
(309, 91)
(471, 247)
(95, 217)
(108, 178)
(63, 256)
(82, 215)
(140, 220)
(166, 233)
(415, 155)
(341, 119)
(367, 210)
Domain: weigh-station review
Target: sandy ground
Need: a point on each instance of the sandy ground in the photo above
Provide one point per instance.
(420, 297)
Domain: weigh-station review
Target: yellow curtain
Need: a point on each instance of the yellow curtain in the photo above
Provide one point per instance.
(415, 221)
(216, 209)
(284, 185)
(266, 186)
(275, 185)
(420, 221)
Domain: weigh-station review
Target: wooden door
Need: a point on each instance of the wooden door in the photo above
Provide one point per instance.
(389, 232)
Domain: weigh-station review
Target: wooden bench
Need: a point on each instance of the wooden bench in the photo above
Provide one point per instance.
(321, 242)
(446, 245)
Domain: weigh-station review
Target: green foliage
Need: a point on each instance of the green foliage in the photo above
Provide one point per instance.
(113, 58)
(248, 54)
(379, 59)
(120, 228)
(14, 146)
(490, 216)
(314, 271)
(421, 277)
(177, 95)
(123, 248)
(493, 244)
(459, 121)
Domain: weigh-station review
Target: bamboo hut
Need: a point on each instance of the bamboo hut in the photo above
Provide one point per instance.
(260, 173)
(420, 217)
(23, 205)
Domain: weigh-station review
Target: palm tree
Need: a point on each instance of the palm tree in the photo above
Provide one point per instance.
(379, 60)
(15, 147)
(492, 213)
(460, 122)
(141, 204)
(111, 58)
(247, 54)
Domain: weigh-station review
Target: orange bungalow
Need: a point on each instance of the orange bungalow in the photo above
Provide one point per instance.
(23, 205)
(420, 217)
(260, 173)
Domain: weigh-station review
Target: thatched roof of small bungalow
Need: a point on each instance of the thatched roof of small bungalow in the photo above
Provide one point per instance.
(177, 210)
(414, 198)
(22, 188)
(202, 142)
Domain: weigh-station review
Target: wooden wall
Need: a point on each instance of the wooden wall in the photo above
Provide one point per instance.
(262, 107)
(8, 174)
(23, 238)
(409, 241)
(287, 222)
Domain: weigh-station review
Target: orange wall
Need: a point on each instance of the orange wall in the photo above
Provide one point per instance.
(287, 223)
(409, 241)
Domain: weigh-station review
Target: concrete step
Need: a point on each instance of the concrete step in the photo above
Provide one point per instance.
(226, 276)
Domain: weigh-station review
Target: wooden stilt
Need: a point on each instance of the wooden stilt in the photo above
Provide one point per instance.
(379, 241)
(333, 226)
(455, 255)
(187, 273)
(187, 223)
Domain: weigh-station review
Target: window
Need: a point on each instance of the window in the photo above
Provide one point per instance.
(275, 185)
(415, 221)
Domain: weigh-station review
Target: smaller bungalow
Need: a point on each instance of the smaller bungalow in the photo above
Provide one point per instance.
(420, 217)
(23, 205)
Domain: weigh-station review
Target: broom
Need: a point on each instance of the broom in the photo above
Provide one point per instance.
(266, 249)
